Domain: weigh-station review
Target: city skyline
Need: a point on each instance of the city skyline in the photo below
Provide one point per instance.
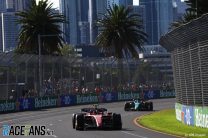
(56, 3)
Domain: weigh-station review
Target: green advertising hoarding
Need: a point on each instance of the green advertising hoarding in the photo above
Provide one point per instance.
(178, 111)
(192, 115)
(201, 116)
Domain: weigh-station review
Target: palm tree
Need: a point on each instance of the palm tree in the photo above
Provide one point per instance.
(198, 6)
(121, 32)
(40, 19)
(195, 9)
(187, 17)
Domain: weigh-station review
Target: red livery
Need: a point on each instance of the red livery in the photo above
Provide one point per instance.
(96, 118)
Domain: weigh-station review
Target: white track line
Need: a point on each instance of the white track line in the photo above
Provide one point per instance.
(135, 135)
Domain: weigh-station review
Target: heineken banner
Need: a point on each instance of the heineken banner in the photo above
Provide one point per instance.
(167, 93)
(23, 104)
(157, 94)
(201, 116)
(45, 102)
(192, 115)
(127, 95)
(7, 106)
(87, 98)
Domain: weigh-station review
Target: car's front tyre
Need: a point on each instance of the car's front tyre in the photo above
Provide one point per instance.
(126, 107)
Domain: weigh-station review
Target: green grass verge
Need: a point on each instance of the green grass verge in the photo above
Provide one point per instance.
(165, 121)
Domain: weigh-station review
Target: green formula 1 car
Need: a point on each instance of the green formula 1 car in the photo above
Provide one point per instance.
(138, 105)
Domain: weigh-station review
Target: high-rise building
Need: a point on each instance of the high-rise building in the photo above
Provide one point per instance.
(21, 5)
(119, 2)
(9, 31)
(8, 27)
(2, 5)
(112, 2)
(126, 2)
(75, 11)
(84, 32)
(92, 17)
(101, 8)
(159, 16)
(64, 9)
(10, 5)
(14, 5)
(83, 8)
(73, 21)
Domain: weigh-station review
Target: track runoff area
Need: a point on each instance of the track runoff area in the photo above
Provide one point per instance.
(57, 122)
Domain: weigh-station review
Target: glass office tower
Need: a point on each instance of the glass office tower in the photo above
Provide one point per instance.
(159, 16)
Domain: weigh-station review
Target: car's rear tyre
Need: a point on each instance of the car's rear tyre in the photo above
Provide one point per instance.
(117, 123)
(79, 125)
(73, 120)
(151, 106)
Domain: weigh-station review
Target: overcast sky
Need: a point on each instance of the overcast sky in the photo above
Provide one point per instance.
(56, 2)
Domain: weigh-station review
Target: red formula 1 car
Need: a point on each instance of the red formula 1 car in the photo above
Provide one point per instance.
(97, 118)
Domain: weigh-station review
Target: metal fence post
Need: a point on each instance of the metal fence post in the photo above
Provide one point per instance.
(40, 68)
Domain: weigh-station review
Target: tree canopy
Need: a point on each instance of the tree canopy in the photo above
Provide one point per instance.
(40, 20)
(198, 6)
(121, 32)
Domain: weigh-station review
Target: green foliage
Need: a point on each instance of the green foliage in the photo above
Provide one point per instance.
(196, 9)
(40, 19)
(187, 17)
(121, 32)
(198, 6)
(68, 50)
(146, 73)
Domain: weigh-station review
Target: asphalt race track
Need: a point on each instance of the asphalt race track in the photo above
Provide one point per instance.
(60, 120)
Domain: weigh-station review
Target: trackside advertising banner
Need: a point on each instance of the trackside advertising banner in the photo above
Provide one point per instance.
(67, 100)
(127, 95)
(7, 106)
(192, 115)
(108, 97)
(87, 98)
(24, 104)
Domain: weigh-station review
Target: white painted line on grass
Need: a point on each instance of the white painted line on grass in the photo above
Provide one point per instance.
(133, 134)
